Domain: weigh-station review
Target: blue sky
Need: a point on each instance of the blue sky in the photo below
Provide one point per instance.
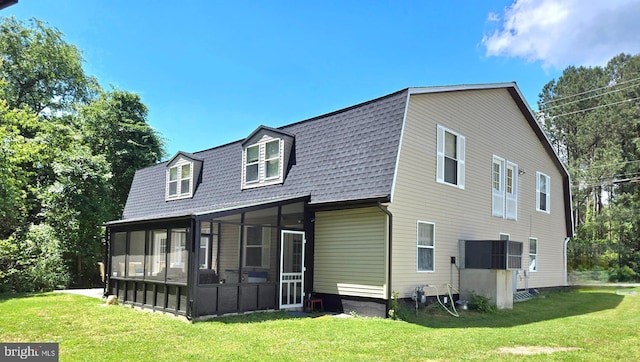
(211, 72)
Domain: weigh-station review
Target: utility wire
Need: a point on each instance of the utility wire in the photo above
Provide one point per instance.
(589, 91)
(612, 164)
(596, 107)
(591, 97)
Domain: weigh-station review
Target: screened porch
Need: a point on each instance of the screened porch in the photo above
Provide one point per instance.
(212, 264)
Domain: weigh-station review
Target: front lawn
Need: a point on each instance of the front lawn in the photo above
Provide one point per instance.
(588, 324)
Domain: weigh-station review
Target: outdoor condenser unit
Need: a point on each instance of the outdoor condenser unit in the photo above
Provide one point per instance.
(490, 254)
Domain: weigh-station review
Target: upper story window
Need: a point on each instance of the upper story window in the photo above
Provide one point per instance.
(504, 189)
(262, 162)
(272, 159)
(450, 157)
(180, 180)
(542, 192)
(252, 165)
(182, 171)
(266, 154)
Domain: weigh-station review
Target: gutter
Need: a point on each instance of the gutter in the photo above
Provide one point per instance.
(390, 219)
(566, 262)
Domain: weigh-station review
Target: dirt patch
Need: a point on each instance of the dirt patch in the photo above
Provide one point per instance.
(531, 350)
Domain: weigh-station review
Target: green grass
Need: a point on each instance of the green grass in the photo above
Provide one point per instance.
(602, 323)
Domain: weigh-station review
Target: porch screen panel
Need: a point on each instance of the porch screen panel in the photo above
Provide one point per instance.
(136, 254)
(177, 271)
(118, 254)
(156, 265)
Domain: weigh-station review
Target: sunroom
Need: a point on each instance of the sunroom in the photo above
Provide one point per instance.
(212, 263)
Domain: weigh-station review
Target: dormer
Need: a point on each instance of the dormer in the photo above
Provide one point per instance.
(183, 171)
(265, 157)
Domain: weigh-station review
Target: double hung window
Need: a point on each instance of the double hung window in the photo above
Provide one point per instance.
(542, 192)
(426, 247)
(257, 246)
(533, 254)
(262, 163)
(450, 157)
(179, 181)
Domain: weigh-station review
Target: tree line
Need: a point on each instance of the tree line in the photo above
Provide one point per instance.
(68, 152)
(592, 118)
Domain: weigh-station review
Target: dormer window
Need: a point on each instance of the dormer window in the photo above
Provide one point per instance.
(182, 173)
(180, 180)
(272, 159)
(252, 167)
(265, 154)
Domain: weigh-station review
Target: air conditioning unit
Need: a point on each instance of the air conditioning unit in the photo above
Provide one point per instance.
(490, 254)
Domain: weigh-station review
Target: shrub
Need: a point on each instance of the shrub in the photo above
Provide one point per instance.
(33, 262)
(482, 304)
(621, 274)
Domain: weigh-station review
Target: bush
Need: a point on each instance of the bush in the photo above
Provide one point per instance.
(33, 262)
(621, 274)
(482, 304)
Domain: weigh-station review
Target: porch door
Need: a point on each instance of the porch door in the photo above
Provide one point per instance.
(292, 269)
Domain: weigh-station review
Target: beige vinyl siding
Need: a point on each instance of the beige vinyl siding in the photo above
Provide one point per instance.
(492, 124)
(350, 253)
(229, 251)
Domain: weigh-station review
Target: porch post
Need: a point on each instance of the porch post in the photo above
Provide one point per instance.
(241, 254)
(192, 270)
(279, 256)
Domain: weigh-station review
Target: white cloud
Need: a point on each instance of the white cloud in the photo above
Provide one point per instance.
(566, 32)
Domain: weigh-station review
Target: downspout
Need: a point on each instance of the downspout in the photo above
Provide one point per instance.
(390, 222)
(566, 262)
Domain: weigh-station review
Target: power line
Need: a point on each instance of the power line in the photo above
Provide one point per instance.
(613, 164)
(596, 107)
(593, 96)
(591, 90)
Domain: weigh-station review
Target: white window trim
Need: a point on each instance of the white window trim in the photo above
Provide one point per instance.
(440, 156)
(418, 246)
(206, 239)
(500, 235)
(504, 204)
(548, 192)
(279, 158)
(180, 177)
(265, 246)
(498, 196)
(535, 266)
(511, 198)
(247, 164)
(262, 180)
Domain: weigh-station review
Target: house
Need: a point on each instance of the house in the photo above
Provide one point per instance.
(441, 186)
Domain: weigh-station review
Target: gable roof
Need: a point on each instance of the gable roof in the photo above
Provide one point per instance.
(265, 128)
(345, 155)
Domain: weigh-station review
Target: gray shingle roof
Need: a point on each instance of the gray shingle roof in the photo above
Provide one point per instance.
(345, 155)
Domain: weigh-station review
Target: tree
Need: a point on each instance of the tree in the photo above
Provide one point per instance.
(116, 126)
(15, 151)
(68, 150)
(592, 117)
(40, 69)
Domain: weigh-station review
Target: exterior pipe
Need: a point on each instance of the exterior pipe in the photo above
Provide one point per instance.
(566, 240)
(390, 221)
